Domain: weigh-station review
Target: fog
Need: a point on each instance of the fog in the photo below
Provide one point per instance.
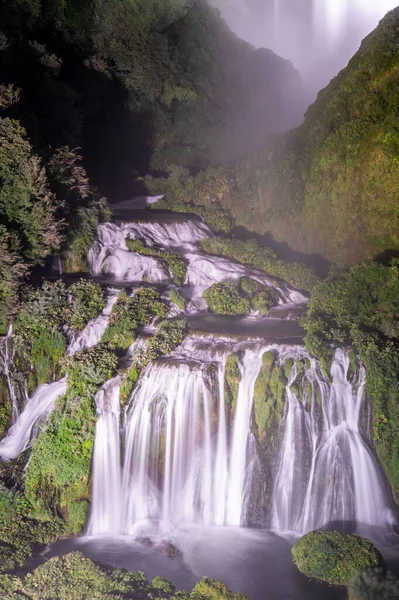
(318, 36)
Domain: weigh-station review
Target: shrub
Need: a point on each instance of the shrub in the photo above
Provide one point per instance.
(129, 313)
(334, 557)
(224, 299)
(87, 302)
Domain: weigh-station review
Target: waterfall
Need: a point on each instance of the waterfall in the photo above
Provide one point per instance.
(40, 405)
(110, 255)
(326, 470)
(37, 409)
(105, 516)
(191, 458)
(6, 363)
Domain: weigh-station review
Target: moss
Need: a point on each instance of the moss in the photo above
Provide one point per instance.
(352, 364)
(177, 298)
(129, 314)
(269, 400)
(287, 367)
(334, 557)
(58, 473)
(214, 590)
(252, 254)
(172, 263)
(75, 577)
(232, 379)
(224, 299)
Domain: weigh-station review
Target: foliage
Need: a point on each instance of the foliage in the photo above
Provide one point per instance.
(250, 253)
(168, 336)
(224, 299)
(75, 577)
(238, 298)
(232, 379)
(129, 314)
(360, 307)
(26, 204)
(214, 590)
(334, 557)
(87, 302)
(177, 298)
(58, 473)
(171, 262)
(12, 271)
(373, 584)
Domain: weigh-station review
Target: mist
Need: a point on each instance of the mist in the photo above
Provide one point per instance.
(318, 36)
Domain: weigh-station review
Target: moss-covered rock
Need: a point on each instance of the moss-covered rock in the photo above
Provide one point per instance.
(177, 298)
(334, 557)
(232, 380)
(269, 397)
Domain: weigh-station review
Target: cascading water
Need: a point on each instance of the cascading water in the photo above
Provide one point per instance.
(326, 470)
(6, 364)
(40, 405)
(189, 457)
(105, 518)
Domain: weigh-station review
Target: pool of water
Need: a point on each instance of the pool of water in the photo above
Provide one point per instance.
(253, 562)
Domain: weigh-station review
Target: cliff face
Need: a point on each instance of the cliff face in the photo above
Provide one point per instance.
(331, 185)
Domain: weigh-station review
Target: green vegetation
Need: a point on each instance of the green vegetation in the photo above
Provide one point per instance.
(75, 577)
(39, 327)
(168, 336)
(360, 308)
(334, 557)
(232, 379)
(172, 263)
(269, 401)
(373, 584)
(250, 253)
(130, 313)
(58, 473)
(225, 299)
(177, 298)
(238, 298)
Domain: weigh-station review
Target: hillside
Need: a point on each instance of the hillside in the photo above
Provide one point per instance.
(330, 186)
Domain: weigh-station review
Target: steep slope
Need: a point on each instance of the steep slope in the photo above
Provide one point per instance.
(331, 185)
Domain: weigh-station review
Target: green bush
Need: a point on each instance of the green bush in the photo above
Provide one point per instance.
(224, 299)
(57, 480)
(87, 301)
(334, 557)
(215, 590)
(373, 584)
(130, 313)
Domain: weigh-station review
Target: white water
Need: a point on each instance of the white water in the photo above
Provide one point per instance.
(326, 469)
(185, 463)
(40, 405)
(6, 363)
(94, 330)
(109, 255)
(105, 517)
(36, 411)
